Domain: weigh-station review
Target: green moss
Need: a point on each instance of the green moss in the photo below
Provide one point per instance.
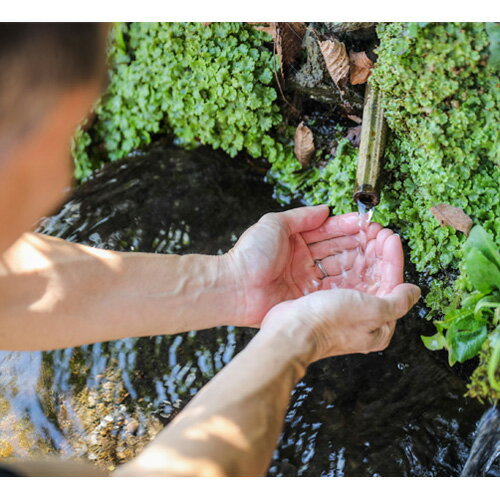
(331, 184)
(442, 103)
(202, 84)
(479, 386)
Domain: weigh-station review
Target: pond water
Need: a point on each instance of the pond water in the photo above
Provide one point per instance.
(396, 413)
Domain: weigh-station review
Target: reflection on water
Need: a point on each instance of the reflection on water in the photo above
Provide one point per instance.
(400, 412)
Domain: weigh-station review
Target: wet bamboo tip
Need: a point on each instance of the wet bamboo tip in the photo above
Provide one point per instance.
(371, 149)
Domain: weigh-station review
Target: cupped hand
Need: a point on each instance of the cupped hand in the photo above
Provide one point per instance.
(294, 253)
(341, 321)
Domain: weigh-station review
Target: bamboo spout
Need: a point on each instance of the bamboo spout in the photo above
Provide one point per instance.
(371, 149)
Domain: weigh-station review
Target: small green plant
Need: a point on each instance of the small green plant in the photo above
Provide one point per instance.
(474, 326)
(202, 84)
(331, 184)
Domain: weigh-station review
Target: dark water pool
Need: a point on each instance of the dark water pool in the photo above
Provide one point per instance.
(396, 413)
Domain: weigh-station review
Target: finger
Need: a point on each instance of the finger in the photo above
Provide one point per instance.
(368, 233)
(381, 237)
(385, 333)
(298, 220)
(381, 337)
(373, 229)
(333, 227)
(333, 246)
(400, 300)
(392, 264)
(370, 252)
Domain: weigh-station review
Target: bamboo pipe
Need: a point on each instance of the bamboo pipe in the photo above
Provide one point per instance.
(371, 149)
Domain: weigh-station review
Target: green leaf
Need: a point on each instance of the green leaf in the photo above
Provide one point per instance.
(481, 240)
(493, 30)
(483, 273)
(488, 302)
(435, 343)
(465, 339)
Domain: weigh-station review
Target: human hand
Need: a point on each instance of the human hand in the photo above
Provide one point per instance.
(366, 297)
(276, 259)
(341, 321)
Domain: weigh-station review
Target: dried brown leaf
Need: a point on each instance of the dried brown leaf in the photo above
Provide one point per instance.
(354, 118)
(289, 41)
(448, 215)
(303, 144)
(336, 59)
(361, 67)
(269, 28)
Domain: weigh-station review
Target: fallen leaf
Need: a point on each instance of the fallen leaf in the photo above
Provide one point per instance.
(269, 28)
(448, 215)
(206, 24)
(287, 39)
(354, 118)
(303, 144)
(336, 59)
(360, 67)
(354, 135)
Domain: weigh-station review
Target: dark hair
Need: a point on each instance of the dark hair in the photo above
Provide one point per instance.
(38, 60)
(62, 53)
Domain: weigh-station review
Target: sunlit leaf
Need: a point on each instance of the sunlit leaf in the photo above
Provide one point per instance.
(483, 274)
(434, 343)
(465, 340)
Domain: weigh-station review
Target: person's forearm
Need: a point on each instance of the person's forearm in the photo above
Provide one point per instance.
(56, 294)
(232, 425)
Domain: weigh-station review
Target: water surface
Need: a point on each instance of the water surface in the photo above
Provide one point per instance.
(396, 413)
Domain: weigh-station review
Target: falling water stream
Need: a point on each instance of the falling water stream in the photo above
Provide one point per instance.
(400, 412)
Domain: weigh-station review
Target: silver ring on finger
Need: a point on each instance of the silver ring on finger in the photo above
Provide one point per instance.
(321, 267)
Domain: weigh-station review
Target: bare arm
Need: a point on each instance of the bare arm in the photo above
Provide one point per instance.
(56, 294)
(231, 427)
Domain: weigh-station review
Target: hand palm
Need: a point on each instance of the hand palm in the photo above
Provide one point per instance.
(277, 258)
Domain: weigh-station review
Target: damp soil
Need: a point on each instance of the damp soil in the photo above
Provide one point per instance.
(396, 413)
